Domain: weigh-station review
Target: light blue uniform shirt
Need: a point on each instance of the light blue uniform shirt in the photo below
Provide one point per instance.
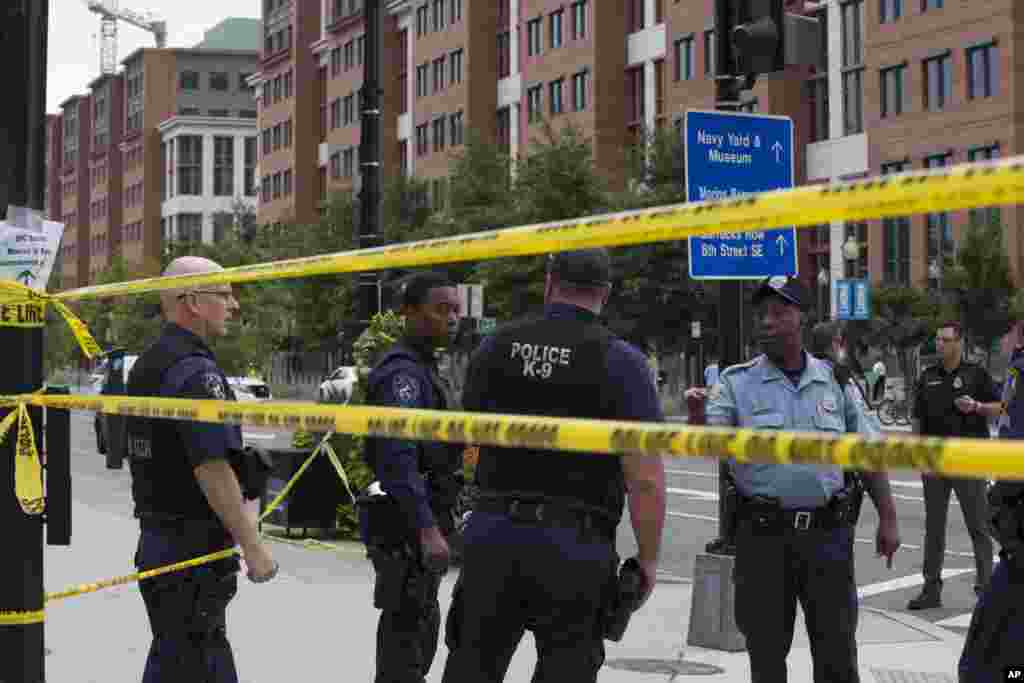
(760, 396)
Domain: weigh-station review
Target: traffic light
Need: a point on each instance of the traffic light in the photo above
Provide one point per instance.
(758, 36)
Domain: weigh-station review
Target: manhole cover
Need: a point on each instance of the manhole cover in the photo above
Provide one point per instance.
(674, 667)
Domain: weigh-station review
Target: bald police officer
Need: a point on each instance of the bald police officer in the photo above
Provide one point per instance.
(540, 545)
(189, 481)
(406, 527)
(795, 529)
(994, 639)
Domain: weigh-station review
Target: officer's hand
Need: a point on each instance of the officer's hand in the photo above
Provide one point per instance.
(696, 392)
(887, 541)
(650, 572)
(436, 555)
(261, 566)
(966, 404)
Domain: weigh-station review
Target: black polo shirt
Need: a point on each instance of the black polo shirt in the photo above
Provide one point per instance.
(937, 388)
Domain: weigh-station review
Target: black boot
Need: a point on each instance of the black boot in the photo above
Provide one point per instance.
(930, 597)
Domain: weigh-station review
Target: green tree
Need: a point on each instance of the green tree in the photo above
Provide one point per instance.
(980, 282)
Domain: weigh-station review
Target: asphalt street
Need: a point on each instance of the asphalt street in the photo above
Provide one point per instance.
(692, 522)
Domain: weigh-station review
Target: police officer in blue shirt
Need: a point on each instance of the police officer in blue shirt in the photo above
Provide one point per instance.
(540, 545)
(795, 528)
(996, 633)
(406, 524)
(189, 483)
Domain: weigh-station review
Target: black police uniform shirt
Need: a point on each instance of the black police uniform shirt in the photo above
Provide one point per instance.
(564, 364)
(407, 377)
(936, 391)
(163, 454)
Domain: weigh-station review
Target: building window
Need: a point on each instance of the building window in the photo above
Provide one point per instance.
(335, 166)
(580, 91)
(275, 183)
(533, 37)
(438, 15)
(277, 137)
(504, 54)
(437, 193)
(403, 157)
(853, 102)
(579, 20)
(223, 166)
(890, 10)
(222, 224)
(219, 113)
(219, 81)
(533, 104)
(439, 134)
(858, 268)
(709, 53)
(360, 50)
(684, 58)
(941, 246)
(350, 55)
(892, 90)
(818, 94)
(982, 78)
(555, 29)
(636, 96)
(189, 80)
(504, 127)
(278, 90)
(243, 82)
(931, 4)
(991, 215)
(852, 35)
(635, 18)
(336, 113)
(422, 141)
(335, 61)
(896, 241)
(287, 133)
(286, 181)
(439, 74)
(190, 227)
(938, 82)
(421, 79)
(250, 167)
(421, 19)
(190, 165)
(350, 109)
(555, 96)
(455, 72)
(247, 114)
(455, 11)
(288, 84)
(455, 134)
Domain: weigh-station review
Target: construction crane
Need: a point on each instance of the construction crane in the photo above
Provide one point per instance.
(110, 14)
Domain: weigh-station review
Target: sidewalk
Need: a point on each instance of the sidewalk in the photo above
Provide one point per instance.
(316, 623)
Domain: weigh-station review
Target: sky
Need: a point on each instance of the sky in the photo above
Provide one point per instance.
(74, 44)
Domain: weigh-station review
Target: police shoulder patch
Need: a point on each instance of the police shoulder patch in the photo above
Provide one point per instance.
(214, 385)
(406, 389)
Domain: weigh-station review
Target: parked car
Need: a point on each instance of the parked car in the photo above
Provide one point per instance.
(339, 385)
(106, 374)
(250, 389)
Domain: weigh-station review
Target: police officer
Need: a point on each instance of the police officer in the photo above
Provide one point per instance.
(996, 632)
(540, 544)
(795, 529)
(954, 399)
(189, 483)
(408, 512)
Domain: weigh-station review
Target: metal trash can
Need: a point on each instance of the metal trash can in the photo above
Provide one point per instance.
(313, 500)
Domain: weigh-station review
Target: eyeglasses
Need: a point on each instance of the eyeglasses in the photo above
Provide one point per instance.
(224, 296)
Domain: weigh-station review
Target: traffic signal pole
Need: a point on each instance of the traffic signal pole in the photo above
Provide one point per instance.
(23, 38)
(370, 195)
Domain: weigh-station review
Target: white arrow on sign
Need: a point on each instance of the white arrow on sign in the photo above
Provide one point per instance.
(781, 241)
(777, 148)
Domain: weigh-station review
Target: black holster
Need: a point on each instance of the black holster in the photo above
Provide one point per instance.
(252, 466)
(623, 600)
(199, 605)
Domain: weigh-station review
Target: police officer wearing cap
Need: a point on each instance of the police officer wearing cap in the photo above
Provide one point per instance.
(954, 399)
(189, 483)
(795, 523)
(407, 514)
(993, 643)
(540, 546)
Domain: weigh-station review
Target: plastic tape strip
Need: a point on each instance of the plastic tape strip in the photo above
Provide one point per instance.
(22, 618)
(22, 306)
(947, 189)
(981, 458)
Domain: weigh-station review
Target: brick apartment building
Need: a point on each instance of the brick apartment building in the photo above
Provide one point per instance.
(153, 151)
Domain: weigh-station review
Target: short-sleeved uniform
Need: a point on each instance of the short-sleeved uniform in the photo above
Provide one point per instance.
(791, 543)
(937, 388)
(540, 545)
(422, 481)
(187, 610)
(997, 626)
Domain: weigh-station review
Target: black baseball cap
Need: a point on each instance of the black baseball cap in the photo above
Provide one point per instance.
(587, 267)
(414, 289)
(786, 287)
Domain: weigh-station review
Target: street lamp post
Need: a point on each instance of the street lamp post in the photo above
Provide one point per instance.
(851, 251)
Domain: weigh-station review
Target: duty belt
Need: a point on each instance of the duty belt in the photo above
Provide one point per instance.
(549, 513)
(767, 513)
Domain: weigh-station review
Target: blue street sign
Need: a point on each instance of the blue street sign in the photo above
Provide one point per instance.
(853, 300)
(730, 155)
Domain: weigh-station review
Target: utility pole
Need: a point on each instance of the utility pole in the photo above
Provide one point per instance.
(23, 38)
(370, 195)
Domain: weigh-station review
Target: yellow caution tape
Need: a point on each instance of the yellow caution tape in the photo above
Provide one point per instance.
(22, 618)
(946, 189)
(981, 458)
(84, 588)
(22, 306)
(28, 470)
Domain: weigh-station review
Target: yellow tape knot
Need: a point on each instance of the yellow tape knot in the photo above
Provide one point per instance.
(22, 306)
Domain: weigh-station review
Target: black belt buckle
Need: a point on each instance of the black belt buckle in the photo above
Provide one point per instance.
(802, 520)
(526, 512)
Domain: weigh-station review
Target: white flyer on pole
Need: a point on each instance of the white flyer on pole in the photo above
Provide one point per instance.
(28, 254)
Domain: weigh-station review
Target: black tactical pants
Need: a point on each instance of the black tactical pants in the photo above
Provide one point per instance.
(187, 609)
(519, 576)
(776, 568)
(997, 627)
(410, 619)
(973, 503)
